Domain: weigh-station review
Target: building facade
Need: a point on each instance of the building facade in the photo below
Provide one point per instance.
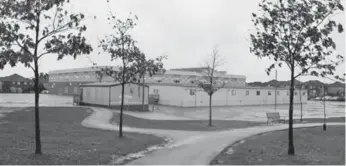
(179, 87)
(108, 94)
(15, 84)
(68, 81)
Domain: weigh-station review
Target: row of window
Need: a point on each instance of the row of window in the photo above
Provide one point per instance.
(193, 82)
(19, 83)
(247, 93)
(53, 84)
(78, 76)
(258, 93)
(178, 77)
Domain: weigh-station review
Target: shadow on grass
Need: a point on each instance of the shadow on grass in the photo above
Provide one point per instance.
(312, 146)
(64, 139)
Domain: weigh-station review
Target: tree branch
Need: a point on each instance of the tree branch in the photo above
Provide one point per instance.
(58, 30)
(31, 67)
(43, 54)
(56, 13)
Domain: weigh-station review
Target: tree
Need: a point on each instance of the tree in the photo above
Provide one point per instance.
(99, 75)
(121, 45)
(149, 67)
(42, 77)
(297, 33)
(211, 83)
(31, 29)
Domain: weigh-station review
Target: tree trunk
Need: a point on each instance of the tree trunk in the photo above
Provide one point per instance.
(301, 105)
(210, 114)
(38, 149)
(121, 110)
(290, 121)
(325, 115)
(143, 95)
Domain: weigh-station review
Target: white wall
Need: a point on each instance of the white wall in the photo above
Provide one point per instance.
(180, 96)
(133, 90)
(96, 95)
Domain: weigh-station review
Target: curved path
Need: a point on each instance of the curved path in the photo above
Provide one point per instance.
(188, 147)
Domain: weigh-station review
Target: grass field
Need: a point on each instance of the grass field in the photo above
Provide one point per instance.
(313, 146)
(199, 125)
(64, 140)
(188, 125)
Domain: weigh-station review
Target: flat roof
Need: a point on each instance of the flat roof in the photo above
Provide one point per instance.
(168, 72)
(226, 87)
(106, 84)
(83, 69)
(191, 73)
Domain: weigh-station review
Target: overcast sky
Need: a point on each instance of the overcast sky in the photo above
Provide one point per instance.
(185, 30)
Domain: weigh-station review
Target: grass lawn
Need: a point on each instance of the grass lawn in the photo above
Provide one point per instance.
(333, 119)
(312, 146)
(201, 125)
(64, 140)
(188, 125)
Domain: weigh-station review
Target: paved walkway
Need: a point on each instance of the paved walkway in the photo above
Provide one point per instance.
(188, 147)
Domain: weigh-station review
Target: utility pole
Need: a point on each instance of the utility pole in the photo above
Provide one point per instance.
(276, 79)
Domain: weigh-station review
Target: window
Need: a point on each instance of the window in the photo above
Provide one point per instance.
(176, 81)
(25, 83)
(192, 82)
(156, 91)
(159, 80)
(18, 83)
(303, 93)
(269, 93)
(233, 92)
(192, 91)
(247, 93)
(14, 82)
(258, 93)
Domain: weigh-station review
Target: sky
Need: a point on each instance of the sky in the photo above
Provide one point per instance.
(184, 30)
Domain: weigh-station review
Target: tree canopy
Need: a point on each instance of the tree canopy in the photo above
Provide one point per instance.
(25, 24)
(298, 34)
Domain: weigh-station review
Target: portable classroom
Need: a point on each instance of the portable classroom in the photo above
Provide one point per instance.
(108, 94)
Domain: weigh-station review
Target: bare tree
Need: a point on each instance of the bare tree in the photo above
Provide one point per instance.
(211, 82)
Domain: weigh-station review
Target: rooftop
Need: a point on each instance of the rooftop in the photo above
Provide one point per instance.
(14, 77)
(75, 70)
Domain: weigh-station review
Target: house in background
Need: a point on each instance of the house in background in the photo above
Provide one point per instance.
(68, 81)
(15, 84)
